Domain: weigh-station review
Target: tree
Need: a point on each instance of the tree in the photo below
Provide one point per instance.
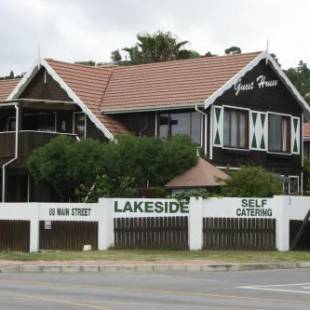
(186, 54)
(90, 169)
(233, 50)
(65, 164)
(209, 54)
(300, 77)
(252, 182)
(302, 67)
(89, 63)
(157, 47)
(10, 76)
(48, 164)
(153, 161)
(116, 57)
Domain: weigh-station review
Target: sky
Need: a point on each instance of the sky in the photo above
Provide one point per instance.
(78, 30)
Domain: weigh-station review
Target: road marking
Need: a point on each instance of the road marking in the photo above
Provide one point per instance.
(282, 288)
(152, 291)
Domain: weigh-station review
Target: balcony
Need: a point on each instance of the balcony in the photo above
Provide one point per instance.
(28, 141)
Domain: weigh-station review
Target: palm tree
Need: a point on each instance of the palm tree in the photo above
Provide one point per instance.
(160, 46)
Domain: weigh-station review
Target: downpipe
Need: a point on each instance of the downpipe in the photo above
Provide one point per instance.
(205, 129)
(16, 153)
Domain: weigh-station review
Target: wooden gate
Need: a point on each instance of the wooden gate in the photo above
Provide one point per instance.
(239, 233)
(151, 232)
(14, 235)
(304, 242)
(64, 235)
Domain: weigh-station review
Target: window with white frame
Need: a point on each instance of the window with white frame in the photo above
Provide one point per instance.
(279, 133)
(236, 128)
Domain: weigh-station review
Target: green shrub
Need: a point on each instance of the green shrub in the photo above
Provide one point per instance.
(252, 181)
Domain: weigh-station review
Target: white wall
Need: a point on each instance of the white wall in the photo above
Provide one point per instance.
(282, 208)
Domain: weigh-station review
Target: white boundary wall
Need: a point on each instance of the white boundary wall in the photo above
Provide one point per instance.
(281, 208)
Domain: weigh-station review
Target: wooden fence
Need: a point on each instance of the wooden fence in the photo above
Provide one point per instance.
(71, 236)
(14, 235)
(239, 233)
(151, 232)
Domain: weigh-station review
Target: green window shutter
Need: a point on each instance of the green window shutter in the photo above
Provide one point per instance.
(258, 130)
(218, 126)
(295, 135)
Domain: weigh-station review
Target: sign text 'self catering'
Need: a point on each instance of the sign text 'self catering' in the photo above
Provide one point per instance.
(251, 207)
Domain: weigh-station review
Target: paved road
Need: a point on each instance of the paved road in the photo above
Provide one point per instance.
(277, 289)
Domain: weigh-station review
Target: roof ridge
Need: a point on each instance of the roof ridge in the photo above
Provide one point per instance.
(78, 65)
(13, 79)
(111, 69)
(185, 60)
(104, 91)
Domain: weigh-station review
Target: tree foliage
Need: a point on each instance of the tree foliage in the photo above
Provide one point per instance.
(10, 76)
(116, 57)
(252, 182)
(156, 47)
(233, 50)
(89, 168)
(300, 77)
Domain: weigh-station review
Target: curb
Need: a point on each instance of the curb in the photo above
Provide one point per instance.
(149, 268)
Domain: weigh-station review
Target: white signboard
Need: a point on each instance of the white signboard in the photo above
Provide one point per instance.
(149, 208)
(239, 207)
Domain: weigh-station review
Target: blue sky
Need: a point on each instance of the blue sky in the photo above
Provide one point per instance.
(73, 30)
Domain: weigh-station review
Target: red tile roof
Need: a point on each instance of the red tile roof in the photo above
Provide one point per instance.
(171, 83)
(307, 131)
(89, 84)
(203, 174)
(6, 87)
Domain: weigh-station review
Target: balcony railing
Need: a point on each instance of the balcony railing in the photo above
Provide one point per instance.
(28, 141)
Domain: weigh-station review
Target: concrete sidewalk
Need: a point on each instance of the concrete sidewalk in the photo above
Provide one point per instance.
(138, 266)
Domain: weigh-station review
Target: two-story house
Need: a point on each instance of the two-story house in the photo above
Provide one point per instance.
(240, 109)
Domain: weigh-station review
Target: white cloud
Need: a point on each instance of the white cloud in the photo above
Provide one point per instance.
(82, 30)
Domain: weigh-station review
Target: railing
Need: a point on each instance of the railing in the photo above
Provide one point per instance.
(28, 141)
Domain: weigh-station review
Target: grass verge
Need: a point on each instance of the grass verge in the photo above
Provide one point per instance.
(155, 255)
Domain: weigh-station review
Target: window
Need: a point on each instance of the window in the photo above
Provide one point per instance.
(39, 121)
(188, 123)
(293, 185)
(11, 125)
(306, 150)
(236, 128)
(80, 124)
(290, 184)
(279, 133)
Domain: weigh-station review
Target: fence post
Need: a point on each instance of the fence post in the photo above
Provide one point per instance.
(106, 224)
(281, 204)
(195, 218)
(34, 229)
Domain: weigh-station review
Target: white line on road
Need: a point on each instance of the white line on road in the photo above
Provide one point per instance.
(280, 288)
